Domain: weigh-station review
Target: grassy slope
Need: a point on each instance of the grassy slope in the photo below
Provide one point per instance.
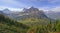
(31, 21)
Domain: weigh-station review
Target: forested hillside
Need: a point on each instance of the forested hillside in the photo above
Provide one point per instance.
(10, 26)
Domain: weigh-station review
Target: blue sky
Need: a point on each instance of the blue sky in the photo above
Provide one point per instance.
(41, 4)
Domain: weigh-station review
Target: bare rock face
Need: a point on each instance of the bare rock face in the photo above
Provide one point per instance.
(34, 12)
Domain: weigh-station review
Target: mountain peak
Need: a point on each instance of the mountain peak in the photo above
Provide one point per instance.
(34, 9)
(24, 9)
(6, 9)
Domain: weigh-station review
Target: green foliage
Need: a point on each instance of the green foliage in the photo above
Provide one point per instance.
(47, 28)
(11, 26)
(58, 25)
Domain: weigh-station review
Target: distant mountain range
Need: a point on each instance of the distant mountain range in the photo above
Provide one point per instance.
(28, 13)
(6, 11)
(31, 12)
(53, 15)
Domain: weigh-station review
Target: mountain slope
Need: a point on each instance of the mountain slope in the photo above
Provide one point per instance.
(10, 26)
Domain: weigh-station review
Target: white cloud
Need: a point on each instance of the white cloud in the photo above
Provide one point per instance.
(12, 9)
(56, 9)
(44, 8)
(3, 7)
(16, 9)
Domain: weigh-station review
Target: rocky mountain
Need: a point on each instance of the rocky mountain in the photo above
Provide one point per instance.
(28, 13)
(7, 11)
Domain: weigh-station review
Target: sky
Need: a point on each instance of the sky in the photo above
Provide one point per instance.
(40, 4)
